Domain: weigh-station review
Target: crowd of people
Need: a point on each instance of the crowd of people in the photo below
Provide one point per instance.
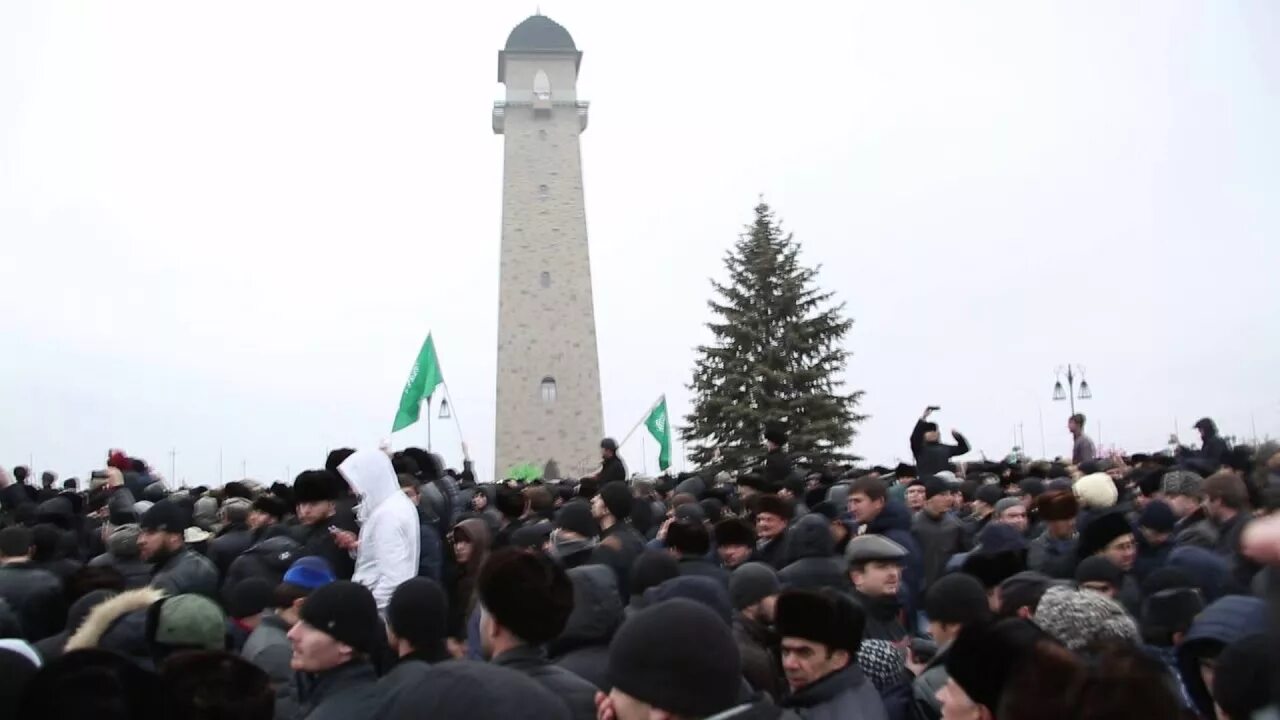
(385, 585)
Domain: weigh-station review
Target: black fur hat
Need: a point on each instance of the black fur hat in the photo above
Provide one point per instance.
(1100, 531)
(527, 593)
(735, 531)
(315, 486)
(774, 505)
(822, 616)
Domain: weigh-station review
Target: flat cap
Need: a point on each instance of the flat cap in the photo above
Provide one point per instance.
(869, 548)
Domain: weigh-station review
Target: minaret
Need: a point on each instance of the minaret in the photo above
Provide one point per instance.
(549, 404)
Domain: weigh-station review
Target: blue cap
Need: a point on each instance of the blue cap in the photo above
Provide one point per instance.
(309, 572)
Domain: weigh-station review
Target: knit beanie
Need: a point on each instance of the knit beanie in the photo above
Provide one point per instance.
(418, 612)
(576, 517)
(1157, 517)
(309, 573)
(651, 569)
(705, 591)
(186, 621)
(882, 662)
(1080, 618)
(985, 655)
(752, 583)
(1023, 590)
(1098, 568)
(249, 597)
(617, 497)
(989, 494)
(123, 542)
(699, 676)
(1031, 486)
(526, 592)
(346, 612)
(164, 516)
(957, 598)
(934, 485)
(1006, 503)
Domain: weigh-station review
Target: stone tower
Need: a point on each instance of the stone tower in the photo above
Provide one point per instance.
(549, 404)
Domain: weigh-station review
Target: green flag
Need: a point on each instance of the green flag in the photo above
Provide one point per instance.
(660, 429)
(422, 382)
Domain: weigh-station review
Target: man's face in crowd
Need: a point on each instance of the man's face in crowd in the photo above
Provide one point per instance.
(310, 513)
(412, 493)
(1154, 537)
(1072, 426)
(915, 498)
(152, 543)
(938, 504)
(956, 704)
(932, 436)
(863, 508)
(733, 555)
(1016, 517)
(598, 509)
(462, 550)
(769, 526)
(259, 519)
(877, 578)
(1122, 551)
(626, 707)
(806, 662)
(1183, 505)
(315, 651)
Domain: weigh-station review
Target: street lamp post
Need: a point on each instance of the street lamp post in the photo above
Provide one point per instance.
(445, 414)
(1069, 393)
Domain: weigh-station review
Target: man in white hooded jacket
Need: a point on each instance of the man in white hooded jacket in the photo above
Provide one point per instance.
(387, 551)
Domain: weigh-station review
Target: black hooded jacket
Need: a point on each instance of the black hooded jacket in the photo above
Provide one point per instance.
(812, 563)
(583, 647)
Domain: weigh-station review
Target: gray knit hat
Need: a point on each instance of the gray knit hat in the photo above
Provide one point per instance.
(1005, 503)
(1079, 618)
(752, 583)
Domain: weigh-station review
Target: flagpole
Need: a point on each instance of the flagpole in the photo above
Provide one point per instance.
(453, 407)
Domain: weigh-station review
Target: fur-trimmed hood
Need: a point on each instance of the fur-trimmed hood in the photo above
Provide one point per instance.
(102, 617)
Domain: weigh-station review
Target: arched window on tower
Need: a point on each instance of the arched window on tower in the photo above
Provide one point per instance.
(541, 86)
(548, 390)
(545, 280)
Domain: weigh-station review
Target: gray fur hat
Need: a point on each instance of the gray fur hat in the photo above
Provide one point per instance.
(1079, 618)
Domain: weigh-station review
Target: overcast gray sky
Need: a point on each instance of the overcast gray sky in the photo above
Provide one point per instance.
(228, 226)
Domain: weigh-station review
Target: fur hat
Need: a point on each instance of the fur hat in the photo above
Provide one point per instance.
(774, 505)
(822, 616)
(984, 656)
(1097, 491)
(735, 531)
(1080, 618)
(164, 516)
(315, 486)
(1100, 531)
(688, 538)
(705, 591)
(1183, 482)
(1157, 516)
(271, 505)
(89, 683)
(216, 684)
(1057, 505)
(527, 593)
(699, 676)
(617, 498)
(651, 569)
(1099, 569)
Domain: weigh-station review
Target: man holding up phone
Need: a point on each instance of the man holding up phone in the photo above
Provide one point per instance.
(932, 456)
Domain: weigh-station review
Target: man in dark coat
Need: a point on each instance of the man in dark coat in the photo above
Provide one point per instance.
(35, 595)
(612, 469)
(178, 568)
(526, 599)
(332, 640)
(417, 619)
(875, 570)
(235, 536)
(772, 515)
(877, 515)
(821, 634)
(583, 646)
(936, 529)
(620, 543)
(811, 554)
(316, 493)
(754, 590)
(777, 464)
(932, 456)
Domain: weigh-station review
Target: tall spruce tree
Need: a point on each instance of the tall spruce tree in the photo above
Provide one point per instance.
(776, 357)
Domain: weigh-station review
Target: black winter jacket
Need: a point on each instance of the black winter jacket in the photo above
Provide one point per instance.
(347, 692)
(583, 646)
(578, 694)
(812, 563)
(35, 595)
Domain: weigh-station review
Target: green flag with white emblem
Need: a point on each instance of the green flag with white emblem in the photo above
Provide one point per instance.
(660, 428)
(423, 380)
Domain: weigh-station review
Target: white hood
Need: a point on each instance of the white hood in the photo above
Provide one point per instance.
(370, 475)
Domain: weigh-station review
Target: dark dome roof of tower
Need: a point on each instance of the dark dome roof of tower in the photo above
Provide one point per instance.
(539, 32)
